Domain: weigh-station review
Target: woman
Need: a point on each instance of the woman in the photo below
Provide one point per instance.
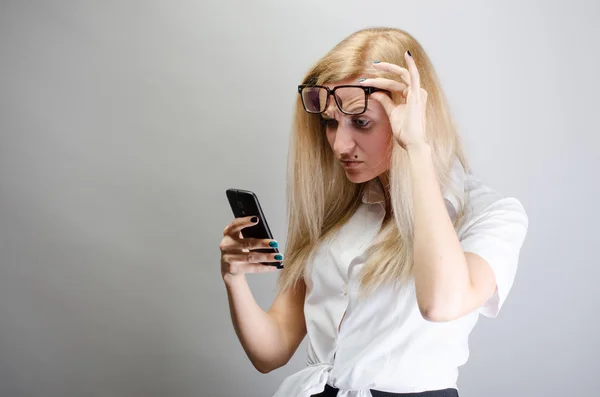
(393, 248)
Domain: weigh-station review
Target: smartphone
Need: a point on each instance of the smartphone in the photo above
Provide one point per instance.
(245, 203)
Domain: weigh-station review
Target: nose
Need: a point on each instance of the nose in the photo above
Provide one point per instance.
(343, 141)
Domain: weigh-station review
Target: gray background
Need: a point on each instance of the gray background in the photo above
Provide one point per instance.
(122, 124)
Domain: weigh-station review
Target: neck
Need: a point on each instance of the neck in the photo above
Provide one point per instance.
(384, 180)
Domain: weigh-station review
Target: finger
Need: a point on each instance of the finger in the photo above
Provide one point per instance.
(385, 84)
(236, 260)
(252, 268)
(240, 259)
(385, 101)
(258, 243)
(228, 243)
(415, 78)
(239, 264)
(240, 223)
(259, 257)
(396, 69)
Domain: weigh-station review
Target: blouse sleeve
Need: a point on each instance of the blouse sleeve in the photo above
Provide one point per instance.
(496, 234)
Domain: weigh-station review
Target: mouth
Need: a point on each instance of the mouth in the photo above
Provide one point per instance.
(350, 163)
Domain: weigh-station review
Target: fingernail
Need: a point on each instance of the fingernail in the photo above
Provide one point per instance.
(273, 244)
(254, 219)
(361, 79)
(409, 53)
(278, 257)
(376, 61)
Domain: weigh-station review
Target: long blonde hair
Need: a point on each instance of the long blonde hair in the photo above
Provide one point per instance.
(321, 198)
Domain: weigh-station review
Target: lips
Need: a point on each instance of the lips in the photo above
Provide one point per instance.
(351, 164)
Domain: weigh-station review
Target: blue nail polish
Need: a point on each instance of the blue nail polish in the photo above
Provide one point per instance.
(273, 244)
(278, 257)
(361, 80)
(376, 61)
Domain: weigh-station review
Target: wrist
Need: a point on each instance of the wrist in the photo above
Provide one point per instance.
(419, 150)
(231, 280)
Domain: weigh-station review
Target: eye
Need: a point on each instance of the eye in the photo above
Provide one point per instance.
(362, 123)
(329, 123)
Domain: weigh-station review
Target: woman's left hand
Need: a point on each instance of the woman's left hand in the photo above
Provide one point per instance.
(407, 119)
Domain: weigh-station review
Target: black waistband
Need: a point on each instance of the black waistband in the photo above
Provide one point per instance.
(332, 392)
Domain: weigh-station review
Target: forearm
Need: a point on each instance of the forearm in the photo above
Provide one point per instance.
(440, 268)
(258, 332)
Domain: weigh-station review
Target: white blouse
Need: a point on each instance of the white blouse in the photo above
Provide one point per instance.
(383, 342)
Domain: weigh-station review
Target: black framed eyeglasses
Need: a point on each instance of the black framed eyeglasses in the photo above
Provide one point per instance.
(350, 99)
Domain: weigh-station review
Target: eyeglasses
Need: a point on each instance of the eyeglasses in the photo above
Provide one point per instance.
(350, 99)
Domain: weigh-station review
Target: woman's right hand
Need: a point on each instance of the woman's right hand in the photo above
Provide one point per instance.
(237, 256)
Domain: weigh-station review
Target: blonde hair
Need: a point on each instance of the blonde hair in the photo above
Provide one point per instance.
(321, 198)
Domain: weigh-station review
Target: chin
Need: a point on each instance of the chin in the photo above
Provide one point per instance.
(359, 177)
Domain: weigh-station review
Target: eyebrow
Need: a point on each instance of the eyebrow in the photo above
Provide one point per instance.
(325, 115)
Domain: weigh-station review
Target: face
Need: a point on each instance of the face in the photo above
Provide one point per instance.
(361, 143)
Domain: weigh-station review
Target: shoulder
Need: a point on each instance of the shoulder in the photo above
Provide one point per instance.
(484, 203)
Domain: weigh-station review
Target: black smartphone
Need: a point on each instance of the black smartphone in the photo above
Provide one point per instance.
(245, 203)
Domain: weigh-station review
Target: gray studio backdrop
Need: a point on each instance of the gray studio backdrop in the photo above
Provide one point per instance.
(122, 123)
